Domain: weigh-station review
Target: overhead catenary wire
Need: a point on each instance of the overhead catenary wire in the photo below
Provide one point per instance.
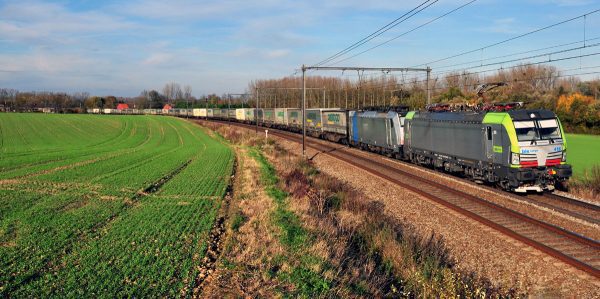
(510, 39)
(549, 60)
(549, 55)
(385, 85)
(535, 78)
(515, 54)
(523, 65)
(403, 34)
(380, 31)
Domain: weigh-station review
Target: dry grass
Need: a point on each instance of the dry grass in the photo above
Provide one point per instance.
(250, 247)
(588, 186)
(366, 251)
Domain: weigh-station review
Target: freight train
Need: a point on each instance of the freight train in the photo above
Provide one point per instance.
(516, 149)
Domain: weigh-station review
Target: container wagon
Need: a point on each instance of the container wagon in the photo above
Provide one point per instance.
(335, 125)
(314, 125)
(268, 117)
(281, 120)
(294, 119)
(198, 112)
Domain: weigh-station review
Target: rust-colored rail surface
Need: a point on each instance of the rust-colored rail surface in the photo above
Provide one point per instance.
(573, 207)
(578, 209)
(576, 250)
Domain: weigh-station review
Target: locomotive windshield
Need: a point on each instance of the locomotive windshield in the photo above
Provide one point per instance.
(526, 130)
(548, 129)
(529, 130)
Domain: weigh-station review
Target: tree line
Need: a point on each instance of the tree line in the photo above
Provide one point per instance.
(536, 86)
(61, 102)
(574, 100)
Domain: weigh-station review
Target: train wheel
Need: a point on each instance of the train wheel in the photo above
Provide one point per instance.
(562, 186)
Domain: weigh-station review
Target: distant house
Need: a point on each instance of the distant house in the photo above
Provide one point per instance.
(166, 108)
(122, 106)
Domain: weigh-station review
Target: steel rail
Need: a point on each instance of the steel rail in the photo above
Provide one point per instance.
(367, 165)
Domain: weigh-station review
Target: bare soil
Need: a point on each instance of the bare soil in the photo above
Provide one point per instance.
(249, 251)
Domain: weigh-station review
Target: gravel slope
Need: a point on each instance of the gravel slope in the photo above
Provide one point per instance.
(476, 247)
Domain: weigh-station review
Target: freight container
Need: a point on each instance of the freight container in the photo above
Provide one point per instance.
(334, 121)
(230, 113)
(250, 114)
(268, 116)
(260, 115)
(313, 119)
(294, 118)
(217, 113)
(198, 112)
(280, 117)
(244, 114)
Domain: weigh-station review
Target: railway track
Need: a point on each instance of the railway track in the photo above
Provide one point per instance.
(576, 250)
(578, 209)
(575, 208)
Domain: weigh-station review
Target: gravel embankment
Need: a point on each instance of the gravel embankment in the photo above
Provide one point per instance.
(476, 247)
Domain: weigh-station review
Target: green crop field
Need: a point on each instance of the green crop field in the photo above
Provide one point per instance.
(583, 151)
(105, 205)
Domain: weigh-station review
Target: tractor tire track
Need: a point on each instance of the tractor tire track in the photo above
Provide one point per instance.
(53, 261)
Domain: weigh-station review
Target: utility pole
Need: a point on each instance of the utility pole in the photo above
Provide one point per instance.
(256, 110)
(303, 111)
(428, 88)
(229, 108)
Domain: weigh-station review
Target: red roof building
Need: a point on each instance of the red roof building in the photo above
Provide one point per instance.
(122, 106)
(167, 107)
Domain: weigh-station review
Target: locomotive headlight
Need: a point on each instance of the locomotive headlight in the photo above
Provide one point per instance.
(564, 156)
(515, 159)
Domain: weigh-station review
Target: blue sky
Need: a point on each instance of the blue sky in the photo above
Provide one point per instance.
(123, 47)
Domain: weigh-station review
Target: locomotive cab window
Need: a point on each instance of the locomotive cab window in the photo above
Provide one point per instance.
(489, 133)
(549, 129)
(525, 130)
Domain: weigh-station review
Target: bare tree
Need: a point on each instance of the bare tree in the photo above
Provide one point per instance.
(187, 92)
(172, 91)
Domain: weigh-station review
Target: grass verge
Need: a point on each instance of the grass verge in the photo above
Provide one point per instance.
(339, 243)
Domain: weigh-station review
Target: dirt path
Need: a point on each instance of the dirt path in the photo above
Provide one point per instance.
(248, 246)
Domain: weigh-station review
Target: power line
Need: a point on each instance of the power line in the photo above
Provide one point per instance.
(379, 31)
(403, 34)
(515, 54)
(526, 58)
(549, 54)
(535, 78)
(510, 39)
(515, 66)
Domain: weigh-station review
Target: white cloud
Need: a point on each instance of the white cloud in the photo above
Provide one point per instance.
(504, 25)
(277, 53)
(565, 2)
(40, 61)
(45, 22)
(158, 59)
